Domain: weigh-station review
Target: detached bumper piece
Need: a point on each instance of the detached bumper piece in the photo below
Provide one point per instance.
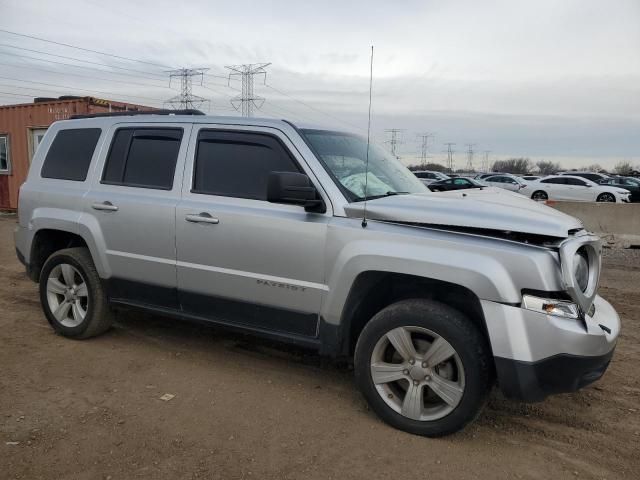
(534, 381)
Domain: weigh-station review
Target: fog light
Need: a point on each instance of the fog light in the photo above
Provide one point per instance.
(549, 306)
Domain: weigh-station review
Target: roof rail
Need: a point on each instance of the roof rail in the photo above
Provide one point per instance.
(128, 113)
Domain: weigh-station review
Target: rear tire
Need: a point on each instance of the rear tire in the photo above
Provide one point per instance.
(539, 196)
(72, 296)
(439, 391)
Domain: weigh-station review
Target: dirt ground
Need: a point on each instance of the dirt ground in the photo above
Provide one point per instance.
(249, 409)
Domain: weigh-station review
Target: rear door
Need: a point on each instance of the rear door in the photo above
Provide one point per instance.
(132, 201)
(555, 188)
(241, 259)
(578, 190)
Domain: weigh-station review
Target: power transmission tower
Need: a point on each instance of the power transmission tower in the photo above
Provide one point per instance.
(450, 164)
(186, 99)
(485, 161)
(470, 156)
(247, 100)
(424, 147)
(395, 140)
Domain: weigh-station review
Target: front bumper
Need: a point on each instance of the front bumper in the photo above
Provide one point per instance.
(537, 355)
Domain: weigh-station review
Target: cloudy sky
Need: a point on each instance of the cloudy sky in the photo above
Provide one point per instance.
(545, 79)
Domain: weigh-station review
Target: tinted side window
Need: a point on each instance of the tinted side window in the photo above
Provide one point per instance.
(575, 181)
(143, 157)
(238, 164)
(70, 154)
(561, 181)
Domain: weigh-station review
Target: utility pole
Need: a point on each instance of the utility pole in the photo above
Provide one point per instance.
(424, 147)
(450, 164)
(247, 100)
(186, 99)
(485, 162)
(394, 141)
(470, 156)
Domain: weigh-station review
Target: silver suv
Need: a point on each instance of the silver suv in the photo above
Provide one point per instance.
(286, 233)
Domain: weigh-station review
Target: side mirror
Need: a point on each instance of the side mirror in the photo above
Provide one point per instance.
(294, 189)
(588, 185)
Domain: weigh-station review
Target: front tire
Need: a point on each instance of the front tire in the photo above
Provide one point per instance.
(72, 296)
(423, 367)
(606, 197)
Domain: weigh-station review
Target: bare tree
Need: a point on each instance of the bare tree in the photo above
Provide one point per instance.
(436, 167)
(623, 168)
(547, 167)
(512, 165)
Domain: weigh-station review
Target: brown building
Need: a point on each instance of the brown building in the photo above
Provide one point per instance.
(23, 126)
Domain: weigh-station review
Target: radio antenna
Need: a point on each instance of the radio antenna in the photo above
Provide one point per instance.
(366, 168)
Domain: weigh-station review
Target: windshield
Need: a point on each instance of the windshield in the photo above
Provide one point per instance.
(345, 156)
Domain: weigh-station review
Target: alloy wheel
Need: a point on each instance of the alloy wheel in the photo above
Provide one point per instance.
(417, 373)
(67, 295)
(607, 197)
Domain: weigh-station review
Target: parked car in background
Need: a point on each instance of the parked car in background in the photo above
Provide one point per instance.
(508, 182)
(459, 183)
(577, 189)
(482, 176)
(628, 183)
(430, 176)
(531, 178)
(593, 176)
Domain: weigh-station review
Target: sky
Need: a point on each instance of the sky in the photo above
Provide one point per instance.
(545, 79)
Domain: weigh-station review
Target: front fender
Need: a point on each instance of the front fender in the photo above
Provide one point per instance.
(493, 269)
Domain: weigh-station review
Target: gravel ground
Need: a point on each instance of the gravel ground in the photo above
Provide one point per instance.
(248, 409)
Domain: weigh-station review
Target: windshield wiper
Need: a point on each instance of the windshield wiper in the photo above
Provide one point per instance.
(373, 197)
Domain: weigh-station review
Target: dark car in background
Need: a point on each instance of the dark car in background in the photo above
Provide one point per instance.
(593, 176)
(628, 183)
(459, 183)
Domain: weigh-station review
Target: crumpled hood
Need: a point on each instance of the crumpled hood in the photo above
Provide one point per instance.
(489, 208)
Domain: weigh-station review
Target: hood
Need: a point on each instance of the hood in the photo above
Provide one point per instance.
(487, 209)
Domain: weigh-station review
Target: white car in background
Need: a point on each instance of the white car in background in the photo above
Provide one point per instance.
(575, 189)
(508, 182)
(430, 176)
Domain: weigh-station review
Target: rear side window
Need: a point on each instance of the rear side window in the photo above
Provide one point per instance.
(575, 181)
(234, 164)
(143, 157)
(70, 154)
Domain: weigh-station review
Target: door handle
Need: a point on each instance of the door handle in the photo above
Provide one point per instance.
(201, 218)
(106, 206)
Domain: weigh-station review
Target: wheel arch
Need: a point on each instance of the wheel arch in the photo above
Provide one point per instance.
(47, 241)
(374, 290)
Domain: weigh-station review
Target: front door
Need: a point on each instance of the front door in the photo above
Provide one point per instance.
(133, 203)
(242, 259)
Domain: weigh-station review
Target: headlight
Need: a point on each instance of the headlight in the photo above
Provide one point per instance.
(581, 269)
(549, 306)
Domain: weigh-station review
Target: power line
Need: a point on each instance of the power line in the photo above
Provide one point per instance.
(78, 88)
(33, 37)
(247, 99)
(72, 58)
(92, 77)
(311, 107)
